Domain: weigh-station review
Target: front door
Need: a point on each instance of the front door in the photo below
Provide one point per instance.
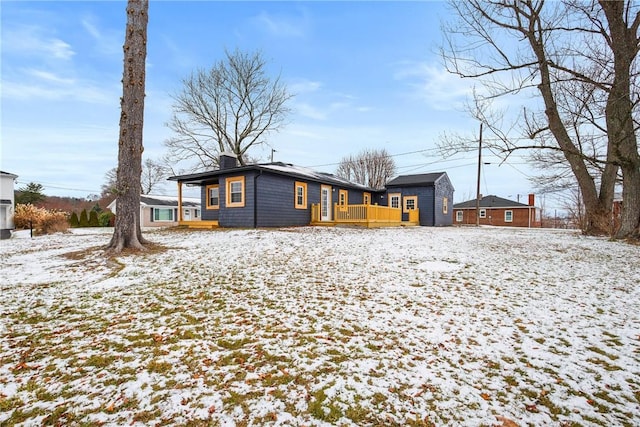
(187, 214)
(325, 203)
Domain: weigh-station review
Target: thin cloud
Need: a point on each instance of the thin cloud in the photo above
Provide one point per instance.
(34, 41)
(107, 42)
(309, 111)
(304, 86)
(435, 85)
(282, 26)
(43, 89)
(49, 77)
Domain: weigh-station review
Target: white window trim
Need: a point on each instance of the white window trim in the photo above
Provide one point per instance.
(399, 197)
(483, 213)
(510, 212)
(459, 216)
(156, 210)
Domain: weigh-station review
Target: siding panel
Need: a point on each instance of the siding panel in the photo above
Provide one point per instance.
(238, 216)
(276, 202)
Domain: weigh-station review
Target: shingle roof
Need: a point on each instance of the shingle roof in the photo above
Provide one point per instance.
(490, 202)
(153, 200)
(424, 179)
(278, 168)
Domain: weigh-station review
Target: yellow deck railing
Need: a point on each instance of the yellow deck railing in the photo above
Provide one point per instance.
(367, 215)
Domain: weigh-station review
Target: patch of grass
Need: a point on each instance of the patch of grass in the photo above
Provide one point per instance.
(233, 358)
(320, 409)
(159, 367)
(232, 344)
(145, 417)
(99, 360)
(59, 417)
(10, 403)
(606, 365)
(602, 352)
(358, 414)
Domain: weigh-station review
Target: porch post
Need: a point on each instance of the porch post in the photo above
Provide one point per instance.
(179, 201)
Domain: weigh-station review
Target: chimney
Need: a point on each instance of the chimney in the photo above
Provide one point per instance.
(227, 161)
(532, 200)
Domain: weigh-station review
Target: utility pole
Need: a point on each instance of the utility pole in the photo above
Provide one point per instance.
(478, 186)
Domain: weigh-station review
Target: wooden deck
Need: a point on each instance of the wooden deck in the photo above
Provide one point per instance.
(198, 224)
(369, 216)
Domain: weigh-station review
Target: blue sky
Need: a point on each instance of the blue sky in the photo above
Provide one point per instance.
(364, 75)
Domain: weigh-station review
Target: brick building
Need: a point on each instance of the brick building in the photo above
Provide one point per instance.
(495, 210)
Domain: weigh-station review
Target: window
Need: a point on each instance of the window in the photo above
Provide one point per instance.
(508, 216)
(366, 198)
(459, 215)
(235, 192)
(394, 200)
(410, 203)
(483, 213)
(300, 195)
(197, 213)
(445, 205)
(213, 196)
(343, 199)
(163, 214)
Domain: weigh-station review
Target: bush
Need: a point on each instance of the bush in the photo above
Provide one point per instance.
(93, 219)
(42, 220)
(106, 219)
(84, 219)
(53, 222)
(74, 221)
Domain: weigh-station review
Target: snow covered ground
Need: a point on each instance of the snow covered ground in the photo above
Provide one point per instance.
(322, 326)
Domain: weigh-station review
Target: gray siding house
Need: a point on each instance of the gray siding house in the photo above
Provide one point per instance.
(431, 193)
(268, 195)
(281, 194)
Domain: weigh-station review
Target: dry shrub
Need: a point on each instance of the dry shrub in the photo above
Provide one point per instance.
(54, 222)
(44, 221)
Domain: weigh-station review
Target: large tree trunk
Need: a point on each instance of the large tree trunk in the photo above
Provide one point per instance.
(127, 233)
(597, 210)
(623, 42)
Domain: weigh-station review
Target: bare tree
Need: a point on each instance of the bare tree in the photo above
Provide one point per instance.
(621, 35)
(530, 46)
(575, 208)
(370, 167)
(109, 186)
(153, 175)
(127, 232)
(231, 107)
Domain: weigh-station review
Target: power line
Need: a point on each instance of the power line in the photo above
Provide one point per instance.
(56, 186)
(390, 155)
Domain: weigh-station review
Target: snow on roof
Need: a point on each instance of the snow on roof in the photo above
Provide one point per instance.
(276, 167)
(311, 174)
(161, 200)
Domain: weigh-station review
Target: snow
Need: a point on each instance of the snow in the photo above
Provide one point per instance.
(321, 326)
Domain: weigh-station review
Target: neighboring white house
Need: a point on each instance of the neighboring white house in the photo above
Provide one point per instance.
(162, 211)
(7, 202)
